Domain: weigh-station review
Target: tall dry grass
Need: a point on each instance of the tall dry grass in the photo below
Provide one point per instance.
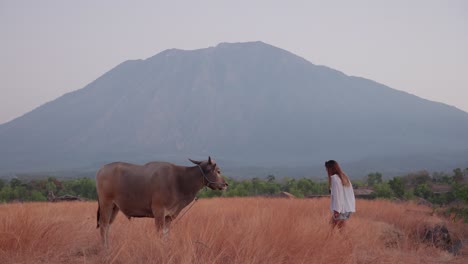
(234, 230)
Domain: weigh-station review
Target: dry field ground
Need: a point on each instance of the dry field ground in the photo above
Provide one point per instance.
(225, 230)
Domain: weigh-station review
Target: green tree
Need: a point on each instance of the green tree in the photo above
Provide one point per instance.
(15, 182)
(271, 178)
(51, 187)
(84, 187)
(37, 196)
(237, 189)
(20, 193)
(409, 194)
(382, 190)
(257, 186)
(305, 186)
(6, 193)
(461, 192)
(272, 188)
(290, 186)
(398, 186)
(423, 191)
(374, 178)
(323, 188)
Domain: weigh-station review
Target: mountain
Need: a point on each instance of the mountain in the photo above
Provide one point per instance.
(246, 104)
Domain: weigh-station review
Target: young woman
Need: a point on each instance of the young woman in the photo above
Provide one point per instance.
(342, 194)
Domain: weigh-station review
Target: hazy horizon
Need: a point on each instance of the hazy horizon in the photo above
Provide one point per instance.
(53, 47)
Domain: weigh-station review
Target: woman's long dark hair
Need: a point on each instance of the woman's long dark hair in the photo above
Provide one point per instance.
(334, 168)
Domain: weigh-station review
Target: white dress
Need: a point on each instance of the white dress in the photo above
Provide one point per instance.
(342, 197)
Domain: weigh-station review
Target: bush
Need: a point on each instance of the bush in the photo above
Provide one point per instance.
(37, 196)
(423, 191)
(383, 190)
(398, 186)
(408, 195)
(461, 192)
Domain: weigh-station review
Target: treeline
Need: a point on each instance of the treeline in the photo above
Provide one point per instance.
(447, 194)
(269, 186)
(438, 188)
(410, 186)
(40, 190)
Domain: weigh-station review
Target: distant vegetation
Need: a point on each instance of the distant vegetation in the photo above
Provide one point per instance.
(438, 188)
(269, 186)
(38, 190)
(445, 193)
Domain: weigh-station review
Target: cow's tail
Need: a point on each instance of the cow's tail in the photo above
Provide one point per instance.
(98, 213)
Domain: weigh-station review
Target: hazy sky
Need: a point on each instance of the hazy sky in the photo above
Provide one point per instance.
(49, 48)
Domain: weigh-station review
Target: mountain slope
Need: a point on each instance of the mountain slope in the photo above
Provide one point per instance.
(246, 103)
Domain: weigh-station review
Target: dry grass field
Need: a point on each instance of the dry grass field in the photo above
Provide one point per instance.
(225, 230)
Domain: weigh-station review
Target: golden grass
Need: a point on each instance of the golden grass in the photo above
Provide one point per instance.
(224, 230)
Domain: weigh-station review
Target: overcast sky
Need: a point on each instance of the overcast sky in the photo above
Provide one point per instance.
(49, 48)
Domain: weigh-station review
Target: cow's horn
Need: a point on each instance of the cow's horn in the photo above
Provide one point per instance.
(209, 160)
(195, 162)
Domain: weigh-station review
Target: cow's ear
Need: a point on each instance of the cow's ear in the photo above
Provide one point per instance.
(209, 160)
(195, 162)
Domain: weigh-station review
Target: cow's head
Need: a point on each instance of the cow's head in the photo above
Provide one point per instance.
(211, 174)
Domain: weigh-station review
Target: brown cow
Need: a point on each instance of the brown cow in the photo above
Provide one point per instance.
(157, 189)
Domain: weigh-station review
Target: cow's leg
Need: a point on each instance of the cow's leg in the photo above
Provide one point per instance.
(106, 210)
(160, 221)
(115, 210)
(167, 226)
